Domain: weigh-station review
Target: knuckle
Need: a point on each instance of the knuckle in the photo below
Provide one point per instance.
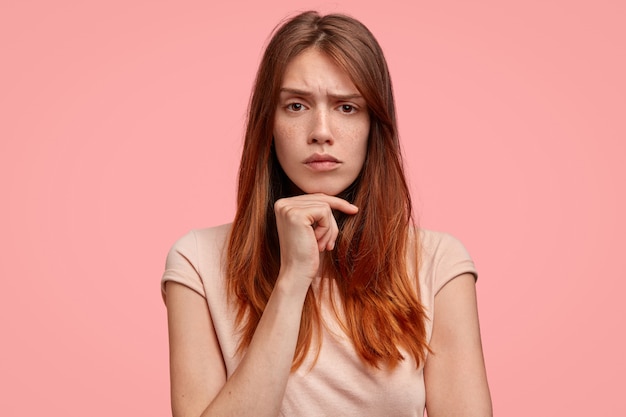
(279, 205)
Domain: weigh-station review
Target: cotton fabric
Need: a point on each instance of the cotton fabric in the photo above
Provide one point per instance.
(338, 383)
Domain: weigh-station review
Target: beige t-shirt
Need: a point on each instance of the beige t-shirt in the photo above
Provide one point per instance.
(339, 384)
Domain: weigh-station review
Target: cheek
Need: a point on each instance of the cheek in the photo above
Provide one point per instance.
(363, 144)
(284, 131)
(281, 144)
(362, 134)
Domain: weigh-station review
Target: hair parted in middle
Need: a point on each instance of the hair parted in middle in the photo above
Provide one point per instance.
(379, 302)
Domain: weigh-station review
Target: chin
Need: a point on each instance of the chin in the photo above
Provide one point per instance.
(334, 191)
(328, 186)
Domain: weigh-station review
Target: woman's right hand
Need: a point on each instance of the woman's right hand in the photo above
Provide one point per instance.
(306, 226)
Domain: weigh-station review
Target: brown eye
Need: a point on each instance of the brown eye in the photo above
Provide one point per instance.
(347, 108)
(295, 106)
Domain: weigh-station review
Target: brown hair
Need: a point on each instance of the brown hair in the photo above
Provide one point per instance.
(380, 302)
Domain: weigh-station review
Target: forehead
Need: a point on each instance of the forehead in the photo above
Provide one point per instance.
(314, 69)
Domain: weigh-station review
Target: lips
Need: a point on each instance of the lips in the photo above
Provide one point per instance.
(315, 158)
(322, 162)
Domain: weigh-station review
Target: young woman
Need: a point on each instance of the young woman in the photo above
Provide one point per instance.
(322, 298)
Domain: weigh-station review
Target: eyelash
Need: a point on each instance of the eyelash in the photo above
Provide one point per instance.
(351, 110)
(290, 106)
(349, 107)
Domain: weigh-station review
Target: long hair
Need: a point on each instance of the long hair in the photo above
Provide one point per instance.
(379, 302)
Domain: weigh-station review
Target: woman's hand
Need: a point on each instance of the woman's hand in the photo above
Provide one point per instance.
(306, 226)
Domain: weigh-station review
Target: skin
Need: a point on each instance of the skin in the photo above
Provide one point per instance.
(454, 375)
(319, 112)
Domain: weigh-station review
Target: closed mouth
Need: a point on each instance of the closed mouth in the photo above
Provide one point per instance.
(316, 158)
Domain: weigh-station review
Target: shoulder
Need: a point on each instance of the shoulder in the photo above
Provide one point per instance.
(213, 237)
(443, 257)
(196, 239)
(440, 244)
(196, 257)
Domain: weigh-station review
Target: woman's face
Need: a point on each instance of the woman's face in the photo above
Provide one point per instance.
(321, 125)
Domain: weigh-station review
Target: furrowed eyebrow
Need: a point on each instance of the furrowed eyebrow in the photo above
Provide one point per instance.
(304, 93)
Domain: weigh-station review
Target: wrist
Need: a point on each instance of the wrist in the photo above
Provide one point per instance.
(292, 282)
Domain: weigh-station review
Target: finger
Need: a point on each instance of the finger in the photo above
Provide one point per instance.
(340, 204)
(326, 231)
(318, 210)
(327, 242)
(335, 203)
(331, 240)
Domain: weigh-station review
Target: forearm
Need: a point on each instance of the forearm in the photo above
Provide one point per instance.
(258, 385)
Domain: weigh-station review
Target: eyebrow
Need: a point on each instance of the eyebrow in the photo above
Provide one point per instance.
(304, 93)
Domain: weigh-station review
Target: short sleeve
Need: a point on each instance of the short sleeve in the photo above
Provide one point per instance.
(182, 265)
(452, 260)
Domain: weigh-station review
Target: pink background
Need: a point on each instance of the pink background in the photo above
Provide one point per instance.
(120, 130)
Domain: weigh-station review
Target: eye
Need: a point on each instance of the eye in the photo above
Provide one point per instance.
(295, 107)
(347, 108)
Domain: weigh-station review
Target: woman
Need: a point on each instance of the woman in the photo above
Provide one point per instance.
(322, 298)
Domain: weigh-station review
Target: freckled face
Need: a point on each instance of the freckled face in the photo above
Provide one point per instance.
(321, 125)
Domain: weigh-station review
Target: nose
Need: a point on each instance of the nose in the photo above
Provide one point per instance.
(321, 131)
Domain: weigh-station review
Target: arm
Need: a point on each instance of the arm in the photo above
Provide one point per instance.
(455, 376)
(198, 375)
(306, 227)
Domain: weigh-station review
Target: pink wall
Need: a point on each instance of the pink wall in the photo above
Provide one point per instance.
(120, 129)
